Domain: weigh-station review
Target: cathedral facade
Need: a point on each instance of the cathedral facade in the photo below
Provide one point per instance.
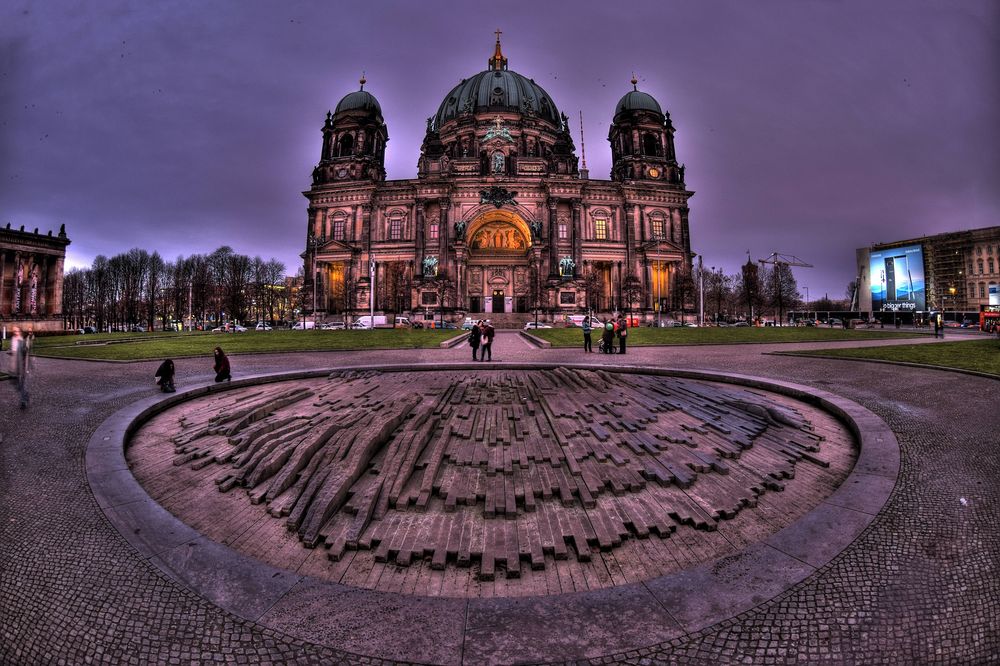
(500, 220)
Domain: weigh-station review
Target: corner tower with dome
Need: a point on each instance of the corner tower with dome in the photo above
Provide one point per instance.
(501, 220)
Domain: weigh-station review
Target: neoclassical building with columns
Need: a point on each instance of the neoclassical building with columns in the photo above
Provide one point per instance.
(31, 278)
(500, 220)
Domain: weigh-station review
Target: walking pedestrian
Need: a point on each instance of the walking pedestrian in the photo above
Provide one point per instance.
(20, 349)
(587, 343)
(488, 334)
(221, 367)
(165, 375)
(622, 334)
(475, 338)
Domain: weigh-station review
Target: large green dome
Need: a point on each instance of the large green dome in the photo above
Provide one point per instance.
(497, 90)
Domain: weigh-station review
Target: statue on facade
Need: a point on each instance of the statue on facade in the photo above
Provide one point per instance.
(536, 230)
(498, 196)
(460, 229)
(430, 265)
(566, 266)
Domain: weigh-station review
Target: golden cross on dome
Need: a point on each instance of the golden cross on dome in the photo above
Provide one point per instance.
(498, 32)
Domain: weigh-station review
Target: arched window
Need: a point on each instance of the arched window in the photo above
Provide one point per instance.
(991, 265)
(601, 228)
(497, 162)
(339, 230)
(658, 227)
(346, 145)
(395, 226)
(982, 290)
(650, 145)
(979, 265)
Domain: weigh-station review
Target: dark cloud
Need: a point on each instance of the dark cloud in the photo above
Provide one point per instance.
(809, 128)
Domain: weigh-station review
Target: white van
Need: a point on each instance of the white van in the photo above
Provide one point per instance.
(303, 325)
(577, 320)
(368, 321)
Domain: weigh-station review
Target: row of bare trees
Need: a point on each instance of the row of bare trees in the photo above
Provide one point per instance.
(138, 288)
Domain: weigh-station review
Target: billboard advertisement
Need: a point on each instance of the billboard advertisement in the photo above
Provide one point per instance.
(897, 279)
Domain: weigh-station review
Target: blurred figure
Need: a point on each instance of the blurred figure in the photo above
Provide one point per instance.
(222, 373)
(475, 337)
(20, 349)
(165, 373)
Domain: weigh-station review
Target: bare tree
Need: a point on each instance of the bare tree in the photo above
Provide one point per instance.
(631, 291)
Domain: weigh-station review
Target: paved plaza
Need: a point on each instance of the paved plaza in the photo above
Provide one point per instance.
(920, 583)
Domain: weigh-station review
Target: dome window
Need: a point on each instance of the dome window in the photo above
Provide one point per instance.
(346, 145)
(650, 145)
(496, 99)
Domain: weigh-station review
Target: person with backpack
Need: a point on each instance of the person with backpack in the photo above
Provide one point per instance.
(587, 342)
(488, 334)
(622, 334)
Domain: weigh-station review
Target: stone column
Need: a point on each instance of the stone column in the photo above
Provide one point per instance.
(419, 220)
(577, 235)
(17, 300)
(650, 287)
(553, 238)
(444, 231)
(3, 280)
(57, 287)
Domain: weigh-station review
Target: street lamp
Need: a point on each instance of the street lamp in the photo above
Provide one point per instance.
(312, 242)
(657, 276)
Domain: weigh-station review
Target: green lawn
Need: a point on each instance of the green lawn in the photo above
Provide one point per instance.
(573, 337)
(978, 355)
(137, 347)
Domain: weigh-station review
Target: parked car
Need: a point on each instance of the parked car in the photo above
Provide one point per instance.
(333, 326)
(468, 324)
(360, 326)
(303, 326)
(833, 321)
(447, 325)
(261, 326)
(532, 325)
(137, 328)
(577, 320)
(236, 328)
(743, 324)
(952, 324)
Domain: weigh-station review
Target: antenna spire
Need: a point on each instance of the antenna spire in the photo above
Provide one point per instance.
(583, 145)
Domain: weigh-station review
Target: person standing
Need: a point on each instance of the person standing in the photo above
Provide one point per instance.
(488, 333)
(20, 348)
(587, 343)
(475, 337)
(622, 334)
(608, 338)
(221, 367)
(937, 325)
(165, 373)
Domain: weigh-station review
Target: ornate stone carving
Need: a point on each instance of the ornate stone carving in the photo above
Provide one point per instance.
(498, 196)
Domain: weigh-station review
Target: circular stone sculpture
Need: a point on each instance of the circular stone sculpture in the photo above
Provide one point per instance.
(490, 483)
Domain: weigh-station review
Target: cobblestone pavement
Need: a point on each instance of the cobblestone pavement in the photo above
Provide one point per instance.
(921, 585)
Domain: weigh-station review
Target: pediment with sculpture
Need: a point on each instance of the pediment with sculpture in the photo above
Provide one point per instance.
(499, 237)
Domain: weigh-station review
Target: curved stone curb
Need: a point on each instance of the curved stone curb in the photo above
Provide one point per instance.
(444, 630)
(537, 341)
(908, 364)
(455, 341)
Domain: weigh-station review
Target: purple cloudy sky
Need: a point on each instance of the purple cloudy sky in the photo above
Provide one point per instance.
(807, 127)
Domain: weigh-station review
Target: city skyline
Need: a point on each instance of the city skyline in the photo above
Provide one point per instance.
(807, 129)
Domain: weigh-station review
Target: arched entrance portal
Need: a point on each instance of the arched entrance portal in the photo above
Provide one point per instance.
(497, 264)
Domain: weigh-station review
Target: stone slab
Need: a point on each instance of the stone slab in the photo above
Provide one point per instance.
(570, 626)
(386, 626)
(702, 596)
(821, 534)
(242, 586)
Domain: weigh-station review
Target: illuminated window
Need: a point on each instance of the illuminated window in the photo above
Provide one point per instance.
(339, 228)
(658, 227)
(395, 228)
(563, 232)
(433, 231)
(601, 228)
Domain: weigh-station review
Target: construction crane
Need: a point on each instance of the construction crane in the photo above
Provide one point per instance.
(778, 260)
